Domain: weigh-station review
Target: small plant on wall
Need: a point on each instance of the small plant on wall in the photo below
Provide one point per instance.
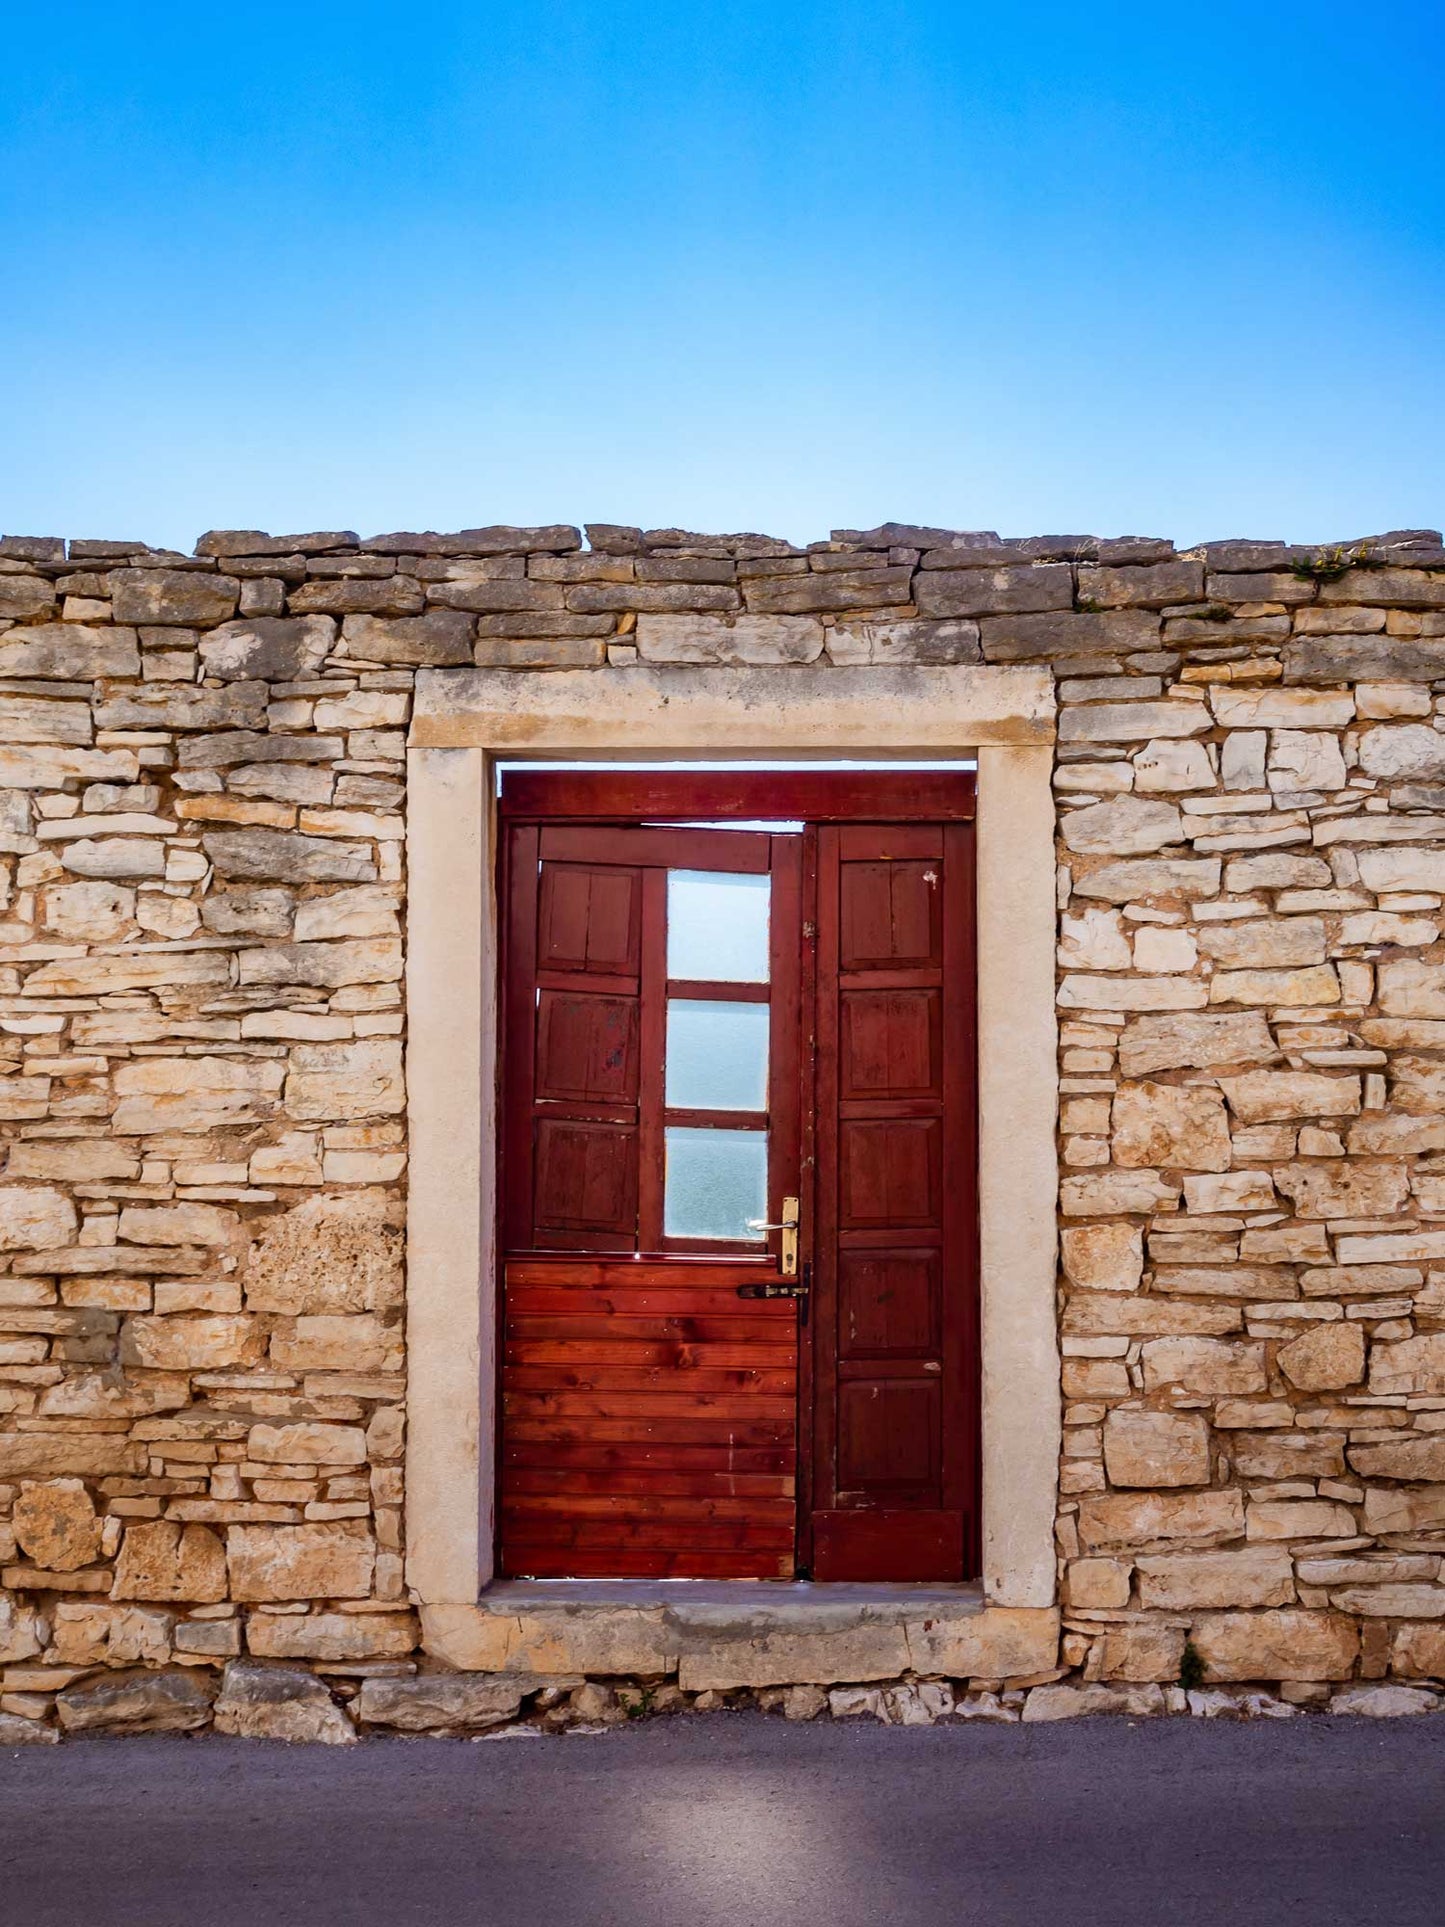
(1328, 565)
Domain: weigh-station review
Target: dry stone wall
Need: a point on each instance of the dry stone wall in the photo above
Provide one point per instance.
(202, 808)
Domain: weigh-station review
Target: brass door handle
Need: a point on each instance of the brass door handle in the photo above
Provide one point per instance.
(788, 1225)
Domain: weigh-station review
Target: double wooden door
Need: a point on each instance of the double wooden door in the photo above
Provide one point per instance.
(738, 1296)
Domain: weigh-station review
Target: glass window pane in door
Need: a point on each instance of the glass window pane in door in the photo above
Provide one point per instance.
(717, 1056)
(717, 926)
(715, 1182)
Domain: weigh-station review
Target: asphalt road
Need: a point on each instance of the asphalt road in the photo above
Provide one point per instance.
(740, 1821)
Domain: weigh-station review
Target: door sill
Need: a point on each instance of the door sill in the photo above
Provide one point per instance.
(726, 1633)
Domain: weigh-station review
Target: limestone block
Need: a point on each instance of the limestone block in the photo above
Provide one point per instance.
(56, 1525)
(18, 1730)
(1256, 1576)
(163, 1559)
(1162, 949)
(326, 966)
(209, 1638)
(1230, 1191)
(1176, 1041)
(1288, 1455)
(1154, 586)
(30, 719)
(1140, 1316)
(1287, 709)
(1142, 1651)
(34, 768)
(35, 1217)
(1063, 1702)
(68, 652)
(1139, 1519)
(874, 641)
(1404, 1458)
(1097, 1585)
(172, 595)
(1094, 940)
(1264, 943)
(329, 1254)
(1228, 1367)
(1261, 1097)
(1299, 1519)
(268, 648)
(1376, 927)
(141, 1702)
(1317, 986)
(307, 1442)
(1242, 759)
(1413, 1365)
(1326, 1359)
(24, 597)
(183, 1223)
(1178, 1126)
(88, 912)
(1109, 1191)
(1174, 766)
(1302, 759)
(1422, 1510)
(332, 1636)
(115, 856)
(1403, 869)
(1103, 1257)
(332, 1560)
(191, 1344)
(1344, 1188)
(994, 592)
(369, 910)
(754, 638)
(265, 1702)
(1151, 878)
(1070, 632)
(1409, 987)
(434, 640)
(358, 1342)
(1392, 1601)
(87, 1455)
(1419, 1651)
(1284, 1644)
(102, 1635)
(287, 857)
(1343, 656)
(1156, 1448)
(1130, 993)
(439, 1700)
(19, 1632)
(1001, 1642)
(1137, 722)
(596, 1640)
(1384, 1702)
(195, 1093)
(1122, 826)
(335, 1081)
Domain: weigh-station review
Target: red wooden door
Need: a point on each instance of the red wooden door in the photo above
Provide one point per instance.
(894, 1355)
(649, 1409)
(653, 1401)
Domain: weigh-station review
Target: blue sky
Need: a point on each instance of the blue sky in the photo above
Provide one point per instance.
(766, 265)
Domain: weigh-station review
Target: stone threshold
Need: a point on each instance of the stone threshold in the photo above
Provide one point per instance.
(723, 1634)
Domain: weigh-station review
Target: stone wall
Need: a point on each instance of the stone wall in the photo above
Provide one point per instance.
(201, 1093)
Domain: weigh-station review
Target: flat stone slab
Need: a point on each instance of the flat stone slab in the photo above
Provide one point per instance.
(722, 1635)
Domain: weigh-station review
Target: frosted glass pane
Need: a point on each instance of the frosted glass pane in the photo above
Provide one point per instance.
(717, 1056)
(717, 926)
(716, 1181)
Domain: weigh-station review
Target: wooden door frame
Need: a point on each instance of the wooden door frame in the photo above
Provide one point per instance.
(466, 719)
(563, 806)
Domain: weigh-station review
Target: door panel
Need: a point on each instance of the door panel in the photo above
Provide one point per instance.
(893, 1460)
(649, 1411)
